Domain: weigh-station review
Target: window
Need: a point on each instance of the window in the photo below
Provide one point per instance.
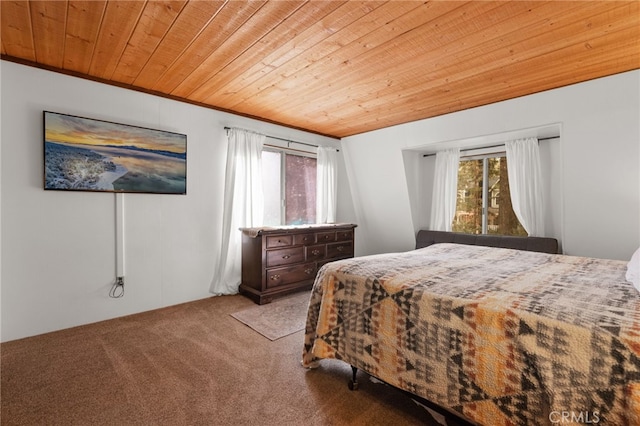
(289, 187)
(483, 204)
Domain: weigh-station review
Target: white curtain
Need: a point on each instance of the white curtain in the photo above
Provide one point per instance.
(326, 184)
(445, 188)
(243, 205)
(525, 183)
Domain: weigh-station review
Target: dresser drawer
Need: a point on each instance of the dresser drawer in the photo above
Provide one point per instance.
(315, 252)
(289, 275)
(325, 237)
(279, 241)
(304, 239)
(285, 256)
(344, 235)
(340, 249)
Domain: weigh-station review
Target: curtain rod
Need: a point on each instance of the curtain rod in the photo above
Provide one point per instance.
(288, 141)
(491, 146)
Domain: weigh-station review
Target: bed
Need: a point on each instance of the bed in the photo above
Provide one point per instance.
(498, 336)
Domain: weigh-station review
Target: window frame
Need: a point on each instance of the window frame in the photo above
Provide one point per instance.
(284, 151)
(485, 184)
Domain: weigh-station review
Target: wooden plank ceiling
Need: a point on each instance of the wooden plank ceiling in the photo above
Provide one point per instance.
(336, 68)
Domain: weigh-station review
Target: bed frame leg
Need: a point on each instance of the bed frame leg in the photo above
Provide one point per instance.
(353, 383)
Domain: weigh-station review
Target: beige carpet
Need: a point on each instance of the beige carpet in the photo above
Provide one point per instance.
(279, 318)
(189, 364)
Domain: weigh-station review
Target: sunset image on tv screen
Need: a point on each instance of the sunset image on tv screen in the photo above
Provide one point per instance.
(94, 155)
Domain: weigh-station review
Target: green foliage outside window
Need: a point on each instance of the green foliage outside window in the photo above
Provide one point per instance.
(500, 217)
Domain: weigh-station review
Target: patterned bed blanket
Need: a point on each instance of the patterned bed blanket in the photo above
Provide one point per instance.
(502, 337)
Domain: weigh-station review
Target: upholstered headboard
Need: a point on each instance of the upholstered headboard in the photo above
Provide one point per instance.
(545, 245)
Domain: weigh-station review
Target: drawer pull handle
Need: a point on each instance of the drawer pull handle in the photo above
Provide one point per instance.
(315, 252)
(275, 277)
(309, 271)
(286, 256)
(340, 248)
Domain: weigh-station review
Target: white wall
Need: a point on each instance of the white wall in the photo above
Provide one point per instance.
(596, 177)
(58, 248)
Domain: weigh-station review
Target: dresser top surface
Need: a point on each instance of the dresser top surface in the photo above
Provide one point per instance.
(290, 229)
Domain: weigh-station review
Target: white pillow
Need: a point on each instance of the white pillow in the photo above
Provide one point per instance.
(633, 270)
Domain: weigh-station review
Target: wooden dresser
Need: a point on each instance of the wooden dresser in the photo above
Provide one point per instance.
(282, 260)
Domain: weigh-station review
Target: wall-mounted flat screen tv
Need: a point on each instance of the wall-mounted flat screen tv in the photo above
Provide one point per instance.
(83, 154)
